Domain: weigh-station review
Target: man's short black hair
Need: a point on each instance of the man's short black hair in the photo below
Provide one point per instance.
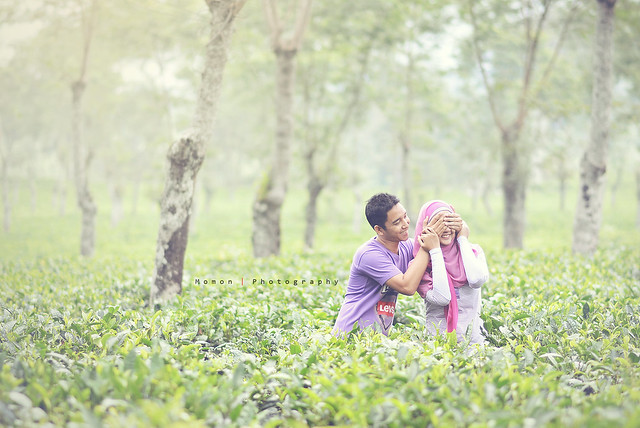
(377, 208)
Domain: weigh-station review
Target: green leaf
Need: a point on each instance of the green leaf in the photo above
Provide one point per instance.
(521, 315)
(21, 399)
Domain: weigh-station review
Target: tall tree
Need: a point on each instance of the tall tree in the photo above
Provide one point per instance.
(321, 141)
(7, 15)
(637, 174)
(532, 16)
(4, 181)
(81, 151)
(159, 94)
(333, 73)
(272, 190)
(27, 89)
(593, 166)
(626, 66)
(409, 65)
(185, 156)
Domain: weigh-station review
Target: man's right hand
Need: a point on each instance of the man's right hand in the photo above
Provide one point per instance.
(429, 239)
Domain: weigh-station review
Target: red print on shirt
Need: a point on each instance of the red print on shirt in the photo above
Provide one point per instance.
(386, 308)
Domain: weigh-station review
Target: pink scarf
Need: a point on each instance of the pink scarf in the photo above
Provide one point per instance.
(452, 261)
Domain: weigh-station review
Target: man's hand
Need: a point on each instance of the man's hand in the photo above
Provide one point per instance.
(454, 222)
(465, 230)
(429, 239)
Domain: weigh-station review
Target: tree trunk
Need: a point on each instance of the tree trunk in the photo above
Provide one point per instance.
(405, 170)
(593, 166)
(514, 176)
(329, 136)
(514, 191)
(563, 193)
(208, 197)
(616, 184)
(195, 207)
(81, 152)
(6, 200)
(273, 187)
(185, 156)
(475, 195)
(62, 197)
(268, 203)
(314, 187)
(405, 134)
(486, 192)
(59, 196)
(135, 196)
(356, 219)
(81, 160)
(33, 189)
(4, 182)
(116, 204)
(60, 191)
(638, 196)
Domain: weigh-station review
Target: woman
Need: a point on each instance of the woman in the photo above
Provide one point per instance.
(452, 281)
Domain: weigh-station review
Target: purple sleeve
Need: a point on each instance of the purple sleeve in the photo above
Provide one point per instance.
(377, 266)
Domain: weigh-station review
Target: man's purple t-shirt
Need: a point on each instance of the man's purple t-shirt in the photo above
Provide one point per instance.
(367, 301)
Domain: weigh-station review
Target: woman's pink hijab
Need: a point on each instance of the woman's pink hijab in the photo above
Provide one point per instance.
(452, 261)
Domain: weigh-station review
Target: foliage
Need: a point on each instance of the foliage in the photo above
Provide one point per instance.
(146, 61)
(79, 346)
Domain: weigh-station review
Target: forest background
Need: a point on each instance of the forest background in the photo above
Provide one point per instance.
(395, 104)
(414, 98)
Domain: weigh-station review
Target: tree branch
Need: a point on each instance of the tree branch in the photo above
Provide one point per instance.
(483, 71)
(232, 12)
(532, 49)
(3, 154)
(87, 32)
(350, 109)
(302, 21)
(271, 12)
(556, 51)
(526, 16)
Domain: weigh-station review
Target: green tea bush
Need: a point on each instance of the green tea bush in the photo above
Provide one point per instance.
(80, 346)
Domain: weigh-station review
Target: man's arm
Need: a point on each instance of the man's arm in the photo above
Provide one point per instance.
(407, 283)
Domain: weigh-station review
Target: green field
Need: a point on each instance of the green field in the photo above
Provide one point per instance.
(80, 346)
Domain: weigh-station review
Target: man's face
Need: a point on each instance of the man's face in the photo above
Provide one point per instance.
(397, 224)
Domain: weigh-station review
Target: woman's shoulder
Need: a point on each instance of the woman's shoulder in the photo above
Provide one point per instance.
(477, 248)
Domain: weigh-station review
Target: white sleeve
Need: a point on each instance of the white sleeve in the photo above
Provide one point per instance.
(475, 265)
(440, 294)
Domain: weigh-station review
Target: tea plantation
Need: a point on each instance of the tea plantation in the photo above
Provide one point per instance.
(80, 346)
(248, 343)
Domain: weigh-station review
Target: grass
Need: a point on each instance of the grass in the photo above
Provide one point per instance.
(226, 225)
(80, 346)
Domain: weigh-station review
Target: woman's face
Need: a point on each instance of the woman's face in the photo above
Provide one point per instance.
(445, 233)
(447, 236)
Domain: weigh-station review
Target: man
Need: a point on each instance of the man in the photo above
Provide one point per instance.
(380, 268)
